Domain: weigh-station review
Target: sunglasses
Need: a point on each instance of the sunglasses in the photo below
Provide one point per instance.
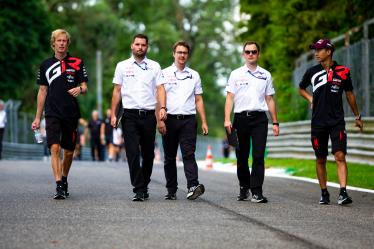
(254, 52)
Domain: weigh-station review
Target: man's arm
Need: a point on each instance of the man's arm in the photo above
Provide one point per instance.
(352, 103)
(42, 94)
(161, 102)
(201, 110)
(228, 107)
(116, 97)
(273, 113)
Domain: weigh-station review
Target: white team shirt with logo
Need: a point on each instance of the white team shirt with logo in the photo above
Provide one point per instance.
(250, 88)
(138, 83)
(181, 88)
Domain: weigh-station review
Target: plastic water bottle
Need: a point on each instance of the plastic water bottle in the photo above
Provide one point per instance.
(38, 136)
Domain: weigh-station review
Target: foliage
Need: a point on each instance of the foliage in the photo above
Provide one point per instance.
(24, 28)
(284, 30)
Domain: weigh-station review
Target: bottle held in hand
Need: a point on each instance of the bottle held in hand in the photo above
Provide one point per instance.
(38, 136)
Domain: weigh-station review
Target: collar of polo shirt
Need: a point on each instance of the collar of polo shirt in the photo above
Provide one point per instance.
(185, 69)
(144, 61)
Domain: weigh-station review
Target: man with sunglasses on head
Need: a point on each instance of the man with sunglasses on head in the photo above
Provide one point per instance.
(250, 90)
(328, 81)
(184, 98)
(138, 81)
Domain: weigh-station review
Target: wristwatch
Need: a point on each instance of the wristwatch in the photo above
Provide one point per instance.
(358, 117)
(81, 89)
(163, 107)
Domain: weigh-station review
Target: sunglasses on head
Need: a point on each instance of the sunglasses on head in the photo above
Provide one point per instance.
(250, 52)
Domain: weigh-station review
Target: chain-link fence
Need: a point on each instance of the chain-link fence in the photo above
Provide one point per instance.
(359, 57)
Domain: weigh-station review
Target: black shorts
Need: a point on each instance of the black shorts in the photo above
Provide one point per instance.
(320, 139)
(62, 132)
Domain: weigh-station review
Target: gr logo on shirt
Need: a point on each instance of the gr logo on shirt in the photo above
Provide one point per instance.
(319, 79)
(53, 72)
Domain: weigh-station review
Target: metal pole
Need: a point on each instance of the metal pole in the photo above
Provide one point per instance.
(99, 83)
(365, 70)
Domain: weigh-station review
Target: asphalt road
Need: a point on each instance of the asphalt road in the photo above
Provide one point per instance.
(100, 213)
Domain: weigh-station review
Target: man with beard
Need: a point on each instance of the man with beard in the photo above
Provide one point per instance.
(138, 80)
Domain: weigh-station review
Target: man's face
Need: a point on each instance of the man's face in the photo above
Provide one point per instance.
(180, 55)
(60, 45)
(139, 47)
(322, 54)
(251, 53)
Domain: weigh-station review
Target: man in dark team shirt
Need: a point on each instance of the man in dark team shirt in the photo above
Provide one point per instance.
(61, 79)
(328, 81)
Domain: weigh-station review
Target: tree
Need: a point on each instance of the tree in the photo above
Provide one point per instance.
(24, 28)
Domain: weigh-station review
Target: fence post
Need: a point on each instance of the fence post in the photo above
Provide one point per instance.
(365, 69)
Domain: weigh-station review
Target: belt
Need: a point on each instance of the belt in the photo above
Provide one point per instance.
(140, 112)
(180, 116)
(249, 113)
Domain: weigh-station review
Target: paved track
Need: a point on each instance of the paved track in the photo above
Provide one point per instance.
(100, 213)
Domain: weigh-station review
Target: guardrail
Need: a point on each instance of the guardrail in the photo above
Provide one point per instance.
(294, 142)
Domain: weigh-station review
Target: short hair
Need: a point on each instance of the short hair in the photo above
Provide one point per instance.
(141, 36)
(58, 32)
(251, 43)
(183, 44)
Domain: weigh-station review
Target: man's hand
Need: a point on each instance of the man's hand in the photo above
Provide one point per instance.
(162, 114)
(161, 127)
(113, 120)
(204, 127)
(359, 124)
(75, 92)
(276, 130)
(228, 126)
(35, 124)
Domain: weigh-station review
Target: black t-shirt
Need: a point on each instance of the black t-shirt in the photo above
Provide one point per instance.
(327, 93)
(95, 126)
(61, 76)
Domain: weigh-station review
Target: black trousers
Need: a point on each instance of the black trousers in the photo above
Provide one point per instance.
(1, 141)
(180, 130)
(251, 126)
(139, 131)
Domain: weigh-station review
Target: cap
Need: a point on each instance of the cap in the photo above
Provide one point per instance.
(322, 43)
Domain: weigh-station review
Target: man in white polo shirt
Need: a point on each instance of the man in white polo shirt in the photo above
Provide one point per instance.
(138, 80)
(250, 90)
(184, 97)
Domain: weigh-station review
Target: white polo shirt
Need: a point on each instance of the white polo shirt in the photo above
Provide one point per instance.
(3, 119)
(138, 83)
(250, 88)
(181, 87)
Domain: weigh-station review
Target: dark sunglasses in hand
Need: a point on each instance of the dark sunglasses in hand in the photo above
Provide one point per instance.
(254, 52)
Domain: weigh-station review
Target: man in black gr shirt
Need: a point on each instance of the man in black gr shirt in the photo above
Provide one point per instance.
(328, 80)
(61, 79)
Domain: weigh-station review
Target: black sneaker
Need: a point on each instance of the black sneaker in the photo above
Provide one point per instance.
(138, 197)
(170, 196)
(344, 199)
(60, 194)
(325, 199)
(146, 195)
(65, 187)
(259, 198)
(243, 194)
(195, 191)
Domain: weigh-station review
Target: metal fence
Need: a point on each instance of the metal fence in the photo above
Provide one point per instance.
(359, 57)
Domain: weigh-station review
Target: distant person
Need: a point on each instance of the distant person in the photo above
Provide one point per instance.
(117, 144)
(250, 89)
(184, 98)
(108, 131)
(61, 79)
(328, 80)
(140, 82)
(97, 136)
(3, 122)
